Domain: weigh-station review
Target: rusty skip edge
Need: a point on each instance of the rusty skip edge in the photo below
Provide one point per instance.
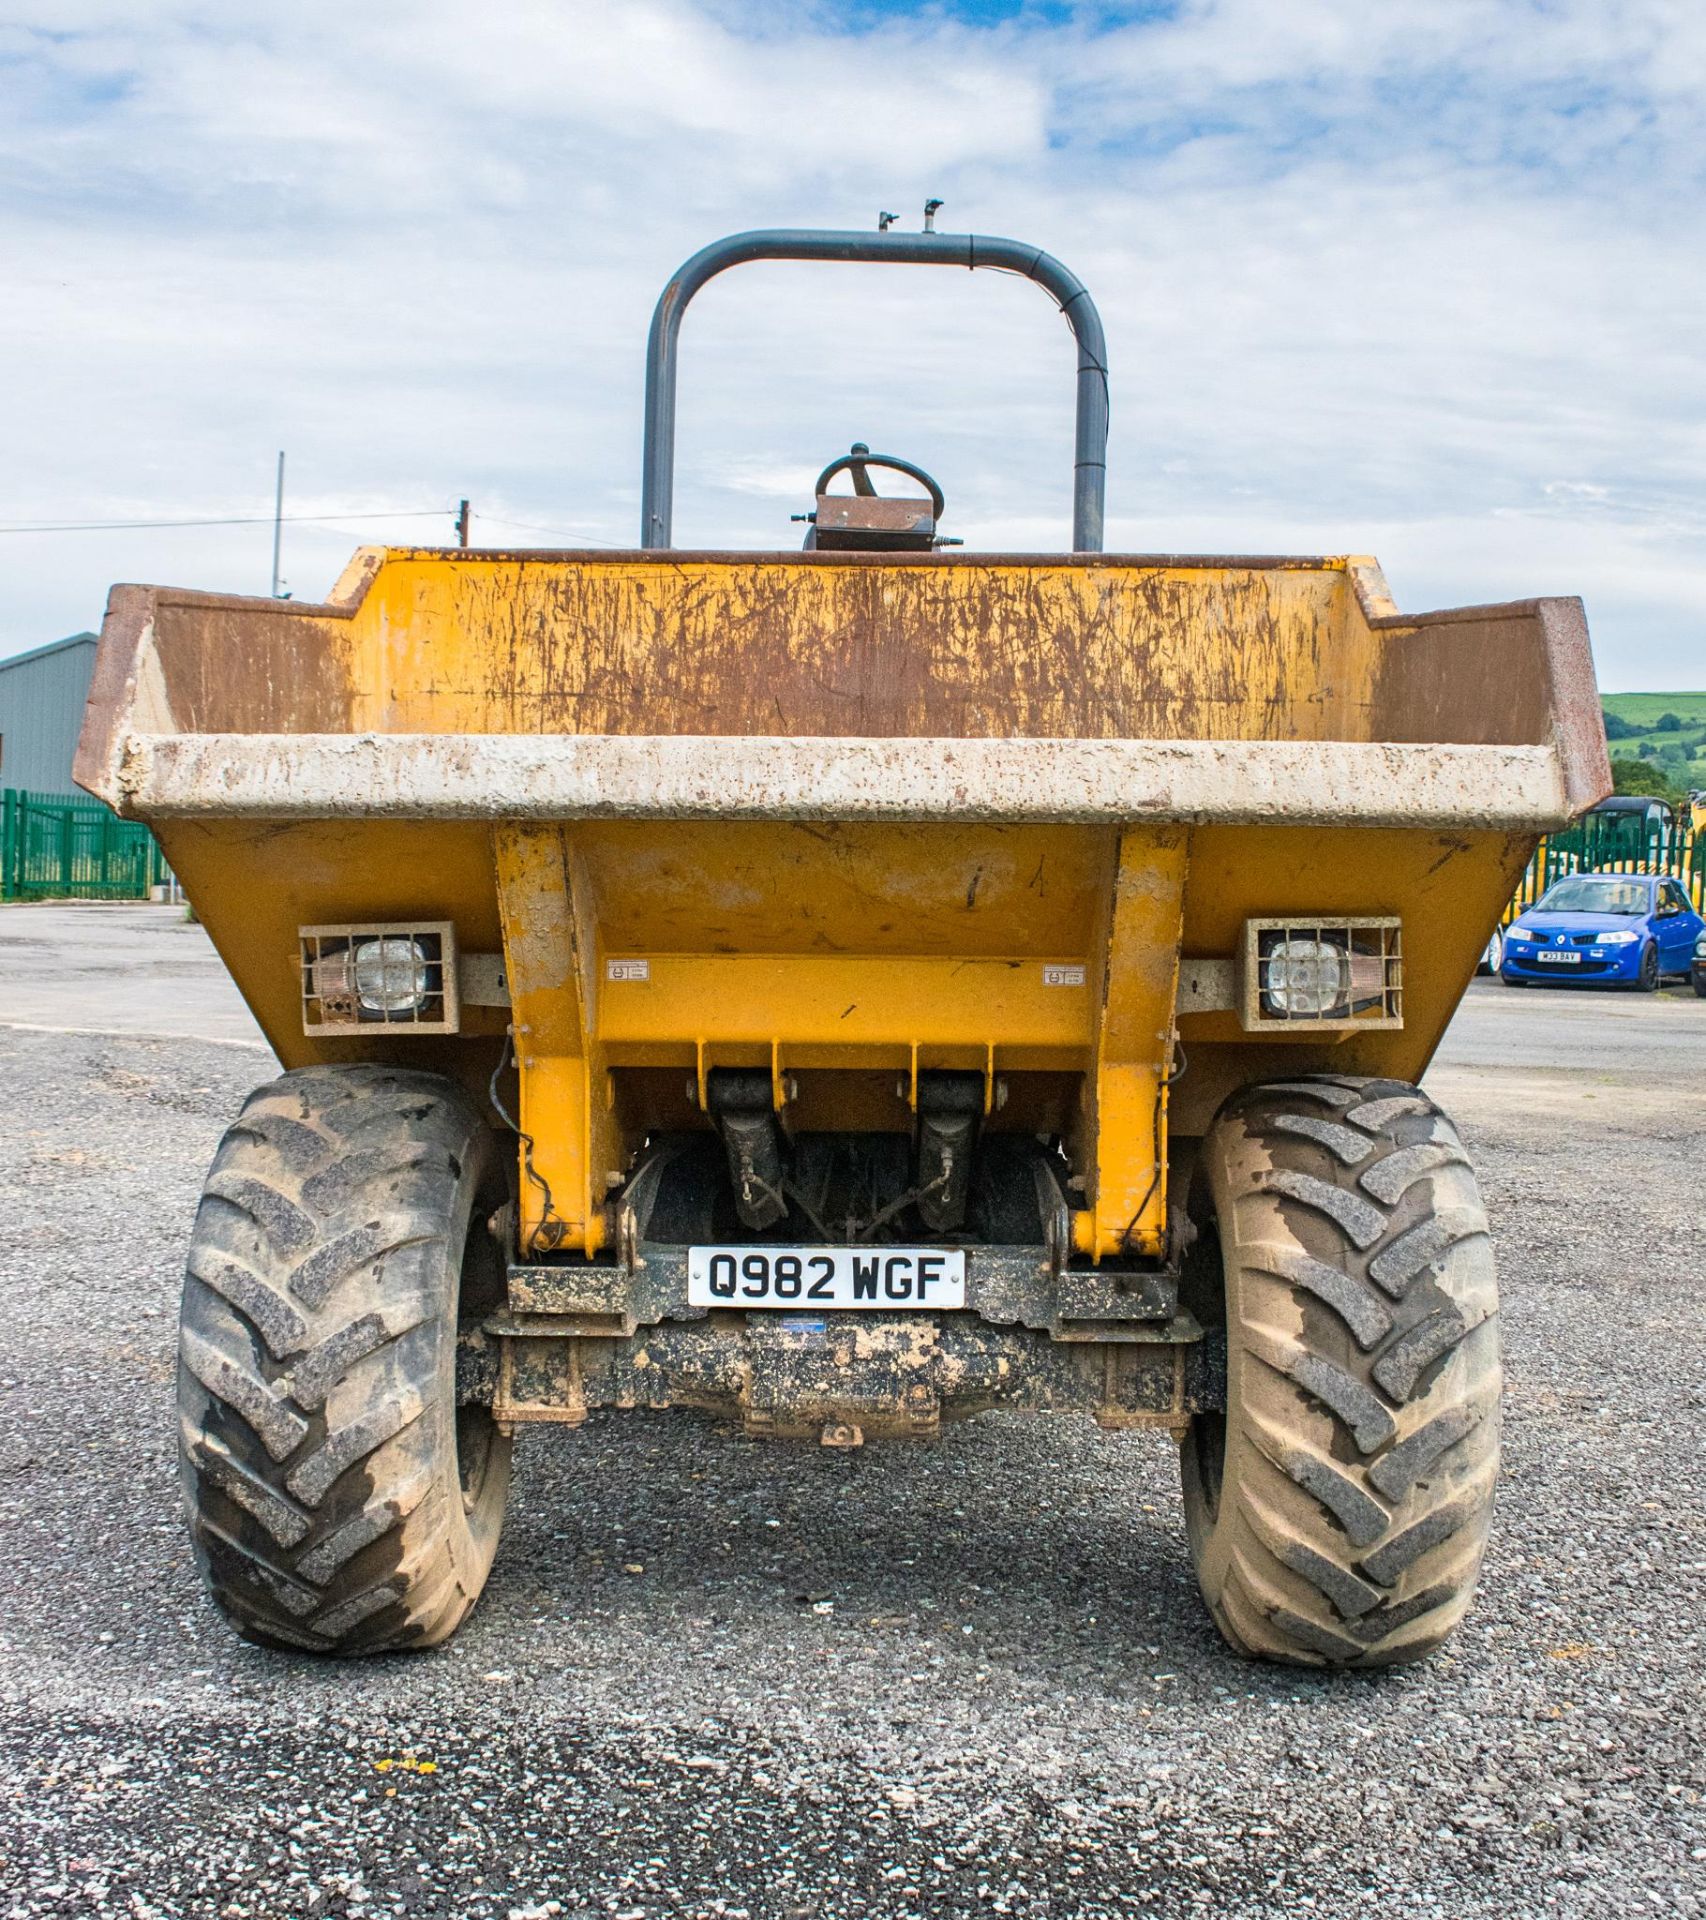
(132, 755)
(684, 776)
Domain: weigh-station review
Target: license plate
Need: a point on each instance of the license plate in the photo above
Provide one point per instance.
(1559, 959)
(826, 1277)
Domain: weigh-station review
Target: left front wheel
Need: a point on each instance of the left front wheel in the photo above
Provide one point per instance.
(339, 1500)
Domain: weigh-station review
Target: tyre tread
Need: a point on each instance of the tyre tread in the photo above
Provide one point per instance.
(318, 1444)
(1361, 1443)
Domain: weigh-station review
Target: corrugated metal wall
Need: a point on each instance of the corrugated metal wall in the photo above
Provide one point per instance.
(41, 713)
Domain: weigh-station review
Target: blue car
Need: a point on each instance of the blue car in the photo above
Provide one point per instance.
(1603, 930)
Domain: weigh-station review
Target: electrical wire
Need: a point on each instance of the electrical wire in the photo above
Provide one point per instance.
(791, 1192)
(1172, 1080)
(236, 520)
(896, 1207)
(552, 1228)
(529, 526)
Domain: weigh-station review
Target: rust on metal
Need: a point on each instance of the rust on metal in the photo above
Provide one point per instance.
(844, 822)
(883, 1376)
(873, 646)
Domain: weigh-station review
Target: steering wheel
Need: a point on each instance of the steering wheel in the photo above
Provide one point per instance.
(862, 458)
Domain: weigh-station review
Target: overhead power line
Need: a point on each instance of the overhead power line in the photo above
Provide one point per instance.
(574, 534)
(234, 520)
(532, 526)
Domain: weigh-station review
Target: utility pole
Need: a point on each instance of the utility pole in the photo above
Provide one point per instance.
(277, 523)
(462, 524)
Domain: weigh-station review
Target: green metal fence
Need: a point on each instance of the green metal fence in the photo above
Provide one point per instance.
(54, 847)
(1616, 843)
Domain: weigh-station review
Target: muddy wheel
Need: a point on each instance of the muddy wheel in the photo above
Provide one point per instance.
(1338, 1509)
(337, 1499)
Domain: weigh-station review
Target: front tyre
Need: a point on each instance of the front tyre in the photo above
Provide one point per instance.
(1647, 980)
(337, 1499)
(1338, 1510)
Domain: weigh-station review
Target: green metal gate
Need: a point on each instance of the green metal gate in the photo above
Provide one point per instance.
(54, 847)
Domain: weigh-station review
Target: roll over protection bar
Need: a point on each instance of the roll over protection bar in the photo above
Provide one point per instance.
(972, 250)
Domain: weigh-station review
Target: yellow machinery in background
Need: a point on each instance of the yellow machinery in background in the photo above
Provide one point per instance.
(842, 990)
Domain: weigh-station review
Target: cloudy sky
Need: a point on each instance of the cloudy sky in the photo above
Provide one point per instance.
(1423, 278)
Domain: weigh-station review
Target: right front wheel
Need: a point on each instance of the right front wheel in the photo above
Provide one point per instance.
(1338, 1508)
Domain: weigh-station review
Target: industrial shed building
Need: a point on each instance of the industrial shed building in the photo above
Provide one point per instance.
(41, 712)
(57, 843)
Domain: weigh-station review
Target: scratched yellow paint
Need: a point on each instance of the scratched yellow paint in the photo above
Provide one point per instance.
(831, 937)
(678, 644)
(1137, 981)
(592, 1002)
(1045, 954)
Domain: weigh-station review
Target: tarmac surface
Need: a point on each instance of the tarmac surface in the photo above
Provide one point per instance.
(714, 1676)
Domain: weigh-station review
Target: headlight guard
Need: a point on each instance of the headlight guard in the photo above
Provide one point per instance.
(1321, 974)
(392, 975)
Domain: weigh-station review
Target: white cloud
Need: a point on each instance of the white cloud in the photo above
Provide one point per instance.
(1424, 279)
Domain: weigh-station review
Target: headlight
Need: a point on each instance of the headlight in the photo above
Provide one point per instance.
(391, 976)
(1623, 939)
(1521, 933)
(1700, 948)
(1305, 979)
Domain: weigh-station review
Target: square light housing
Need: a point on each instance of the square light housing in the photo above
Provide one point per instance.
(1320, 974)
(390, 975)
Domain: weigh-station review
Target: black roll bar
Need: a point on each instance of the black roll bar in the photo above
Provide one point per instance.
(1089, 476)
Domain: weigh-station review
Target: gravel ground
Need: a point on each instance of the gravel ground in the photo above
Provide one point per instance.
(716, 1677)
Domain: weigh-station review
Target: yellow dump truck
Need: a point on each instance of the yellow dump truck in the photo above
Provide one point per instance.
(843, 990)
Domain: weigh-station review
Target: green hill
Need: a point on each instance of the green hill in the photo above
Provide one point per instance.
(1642, 709)
(1675, 752)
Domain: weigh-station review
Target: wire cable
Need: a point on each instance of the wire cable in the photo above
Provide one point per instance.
(235, 520)
(529, 526)
(552, 1229)
(1171, 1080)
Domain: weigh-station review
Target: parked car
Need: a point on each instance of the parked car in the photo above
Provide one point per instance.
(1697, 973)
(1604, 929)
(1645, 812)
